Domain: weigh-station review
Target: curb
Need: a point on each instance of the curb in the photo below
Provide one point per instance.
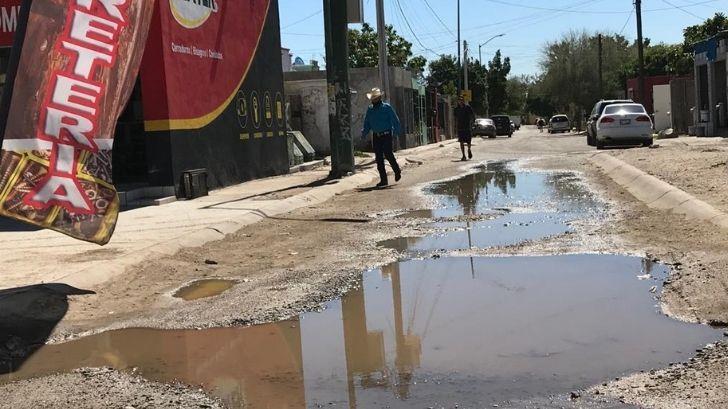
(98, 274)
(656, 193)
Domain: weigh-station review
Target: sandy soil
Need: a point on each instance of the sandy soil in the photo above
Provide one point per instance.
(292, 264)
(91, 388)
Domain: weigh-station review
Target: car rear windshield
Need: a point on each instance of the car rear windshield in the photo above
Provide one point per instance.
(501, 119)
(627, 109)
(608, 103)
(559, 119)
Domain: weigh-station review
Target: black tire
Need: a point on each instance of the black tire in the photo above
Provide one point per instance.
(599, 145)
(648, 143)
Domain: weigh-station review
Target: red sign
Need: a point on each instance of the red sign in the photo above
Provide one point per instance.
(9, 13)
(202, 53)
(76, 72)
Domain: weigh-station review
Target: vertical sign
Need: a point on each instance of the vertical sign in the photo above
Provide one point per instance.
(75, 72)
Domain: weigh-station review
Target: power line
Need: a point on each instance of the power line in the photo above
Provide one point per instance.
(566, 10)
(399, 5)
(629, 18)
(683, 10)
(303, 19)
(437, 16)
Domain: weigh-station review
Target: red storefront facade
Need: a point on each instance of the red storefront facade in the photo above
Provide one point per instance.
(209, 95)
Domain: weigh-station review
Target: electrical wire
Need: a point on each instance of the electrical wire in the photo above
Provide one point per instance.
(566, 10)
(399, 5)
(629, 18)
(437, 16)
(683, 10)
(303, 19)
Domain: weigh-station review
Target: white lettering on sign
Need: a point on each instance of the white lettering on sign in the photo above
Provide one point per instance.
(9, 18)
(69, 114)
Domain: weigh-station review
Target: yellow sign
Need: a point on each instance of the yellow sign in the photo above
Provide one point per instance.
(467, 95)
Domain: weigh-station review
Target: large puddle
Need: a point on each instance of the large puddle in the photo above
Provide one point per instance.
(448, 332)
(532, 206)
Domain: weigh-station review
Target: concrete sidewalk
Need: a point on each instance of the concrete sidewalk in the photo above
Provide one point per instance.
(43, 256)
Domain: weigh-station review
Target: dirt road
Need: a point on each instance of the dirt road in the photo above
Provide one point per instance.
(288, 265)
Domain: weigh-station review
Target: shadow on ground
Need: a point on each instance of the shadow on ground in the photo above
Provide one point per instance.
(11, 225)
(28, 315)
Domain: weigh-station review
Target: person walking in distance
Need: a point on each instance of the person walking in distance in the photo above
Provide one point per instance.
(383, 123)
(465, 117)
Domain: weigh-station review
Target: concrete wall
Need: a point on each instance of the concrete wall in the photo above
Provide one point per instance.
(309, 111)
(306, 92)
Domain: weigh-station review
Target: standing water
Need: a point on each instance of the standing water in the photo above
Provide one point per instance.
(471, 332)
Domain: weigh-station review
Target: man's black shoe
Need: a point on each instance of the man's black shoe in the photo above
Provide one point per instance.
(382, 184)
(463, 159)
(398, 176)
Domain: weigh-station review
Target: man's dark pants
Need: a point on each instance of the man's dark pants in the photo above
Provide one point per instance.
(383, 149)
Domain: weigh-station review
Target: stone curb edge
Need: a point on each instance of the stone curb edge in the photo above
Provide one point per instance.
(656, 193)
(95, 275)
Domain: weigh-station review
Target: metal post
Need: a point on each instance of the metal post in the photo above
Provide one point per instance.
(640, 53)
(383, 52)
(339, 95)
(460, 87)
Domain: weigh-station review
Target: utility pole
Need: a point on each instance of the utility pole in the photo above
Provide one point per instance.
(465, 64)
(383, 52)
(601, 65)
(460, 88)
(640, 53)
(339, 95)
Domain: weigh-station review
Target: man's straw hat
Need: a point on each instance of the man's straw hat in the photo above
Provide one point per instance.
(375, 93)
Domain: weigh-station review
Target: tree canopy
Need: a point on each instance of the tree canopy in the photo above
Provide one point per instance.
(364, 50)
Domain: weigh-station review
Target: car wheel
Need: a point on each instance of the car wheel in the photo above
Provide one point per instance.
(647, 143)
(599, 144)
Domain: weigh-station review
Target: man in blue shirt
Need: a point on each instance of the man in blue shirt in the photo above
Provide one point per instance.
(383, 123)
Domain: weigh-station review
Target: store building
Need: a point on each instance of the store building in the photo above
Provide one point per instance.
(209, 96)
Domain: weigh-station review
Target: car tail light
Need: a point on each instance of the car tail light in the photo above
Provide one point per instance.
(607, 120)
(643, 118)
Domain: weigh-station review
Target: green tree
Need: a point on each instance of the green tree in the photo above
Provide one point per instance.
(443, 74)
(570, 80)
(497, 82)
(364, 49)
(708, 28)
(417, 65)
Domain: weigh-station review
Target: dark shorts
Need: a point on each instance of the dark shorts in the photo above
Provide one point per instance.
(465, 135)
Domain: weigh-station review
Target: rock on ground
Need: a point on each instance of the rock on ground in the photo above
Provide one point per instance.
(100, 388)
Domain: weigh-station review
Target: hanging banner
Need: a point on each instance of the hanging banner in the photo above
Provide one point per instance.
(75, 73)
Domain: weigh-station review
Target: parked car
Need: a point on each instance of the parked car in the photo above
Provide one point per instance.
(559, 123)
(624, 124)
(502, 125)
(516, 121)
(513, 127)
(484, 127)
(591, 125)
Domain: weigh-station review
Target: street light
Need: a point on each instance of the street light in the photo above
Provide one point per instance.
(480, 47)
(480, 56)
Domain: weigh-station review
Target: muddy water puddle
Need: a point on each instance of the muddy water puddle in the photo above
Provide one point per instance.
(466, 331)
(204, 289)
(447, 332)
(507, 206)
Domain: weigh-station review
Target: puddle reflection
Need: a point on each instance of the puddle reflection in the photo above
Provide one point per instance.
(456, 330)
(536, 205)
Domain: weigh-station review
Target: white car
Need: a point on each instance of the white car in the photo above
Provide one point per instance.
(559, 123)
(624, 124)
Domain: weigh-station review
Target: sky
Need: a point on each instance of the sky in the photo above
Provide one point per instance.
(430, 25)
